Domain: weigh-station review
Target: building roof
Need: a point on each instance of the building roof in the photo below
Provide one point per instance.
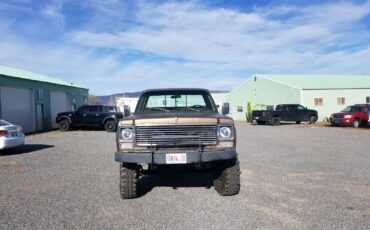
(322, 81)
(23, 74)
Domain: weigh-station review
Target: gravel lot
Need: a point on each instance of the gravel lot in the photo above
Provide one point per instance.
(293, 177)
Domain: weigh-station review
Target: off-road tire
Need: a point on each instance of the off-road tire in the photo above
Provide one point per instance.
(298, 122)
(227, 178)
(356, 123)
(275, 121)
(64, 125)
(312, 119)
(110, 126)
(129, 175)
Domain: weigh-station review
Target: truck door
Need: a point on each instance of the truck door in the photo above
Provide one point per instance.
(93, 116)
(79, 117)
(296, 113)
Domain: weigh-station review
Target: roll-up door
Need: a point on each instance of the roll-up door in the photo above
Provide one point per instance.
(16, 107)
(58, 103)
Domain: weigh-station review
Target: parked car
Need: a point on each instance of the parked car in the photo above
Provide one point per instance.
(354, 115)
(90, 115)
(177, 130)
(10, 135)
(285, 112)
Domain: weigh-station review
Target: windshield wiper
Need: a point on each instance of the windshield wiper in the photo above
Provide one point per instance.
(198, 110)
(161, 109)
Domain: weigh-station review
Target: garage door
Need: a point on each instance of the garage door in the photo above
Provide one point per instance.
(58, 103)
(16, 107)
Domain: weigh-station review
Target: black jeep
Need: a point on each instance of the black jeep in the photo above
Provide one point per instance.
(90, 115)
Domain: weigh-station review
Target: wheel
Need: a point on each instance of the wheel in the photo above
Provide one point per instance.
(312, 119)
(356, 123)
(275, 121)
(129, 175)
(64, 125)
(227, 179)
(298, 122)
(110, 126)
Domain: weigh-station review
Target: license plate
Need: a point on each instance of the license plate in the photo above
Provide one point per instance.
(176, 158)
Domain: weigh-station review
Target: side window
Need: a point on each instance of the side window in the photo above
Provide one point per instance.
(93, 109)
(299, 107)
(83, 109)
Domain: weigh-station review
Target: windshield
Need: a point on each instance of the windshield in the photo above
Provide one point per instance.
(352, 108)
(170, 101)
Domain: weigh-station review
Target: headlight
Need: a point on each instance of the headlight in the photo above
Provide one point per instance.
(127, 134)
(226, 132)
(347, 116)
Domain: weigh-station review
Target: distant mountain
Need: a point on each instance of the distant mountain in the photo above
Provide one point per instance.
(104, 100)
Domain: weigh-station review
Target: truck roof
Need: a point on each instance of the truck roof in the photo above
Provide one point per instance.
(176, 89)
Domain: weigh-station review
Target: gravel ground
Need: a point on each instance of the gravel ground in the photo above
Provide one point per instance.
(293, 177)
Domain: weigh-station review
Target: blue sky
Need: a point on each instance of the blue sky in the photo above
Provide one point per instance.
(113, 46)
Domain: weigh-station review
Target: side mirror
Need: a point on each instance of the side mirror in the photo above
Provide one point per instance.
(225, 108)
(126, 111)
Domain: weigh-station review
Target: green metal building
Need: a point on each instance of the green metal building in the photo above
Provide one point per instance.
(325, 93)
(33, 100)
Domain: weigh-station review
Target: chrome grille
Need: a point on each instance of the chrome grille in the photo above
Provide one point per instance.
(176, 135)
(338, 116)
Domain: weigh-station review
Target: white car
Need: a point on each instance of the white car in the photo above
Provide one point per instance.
(10, 135)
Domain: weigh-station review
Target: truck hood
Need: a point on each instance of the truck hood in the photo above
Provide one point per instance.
(342, 113)
(172, 118)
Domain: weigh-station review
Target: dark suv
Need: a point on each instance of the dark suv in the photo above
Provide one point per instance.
(90, 115)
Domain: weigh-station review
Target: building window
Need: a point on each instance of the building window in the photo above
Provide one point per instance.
(367, 99)
(319, 101)
(39, 94)
(341, 100)
(239, 109)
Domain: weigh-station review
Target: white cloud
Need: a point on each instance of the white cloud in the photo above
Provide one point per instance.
(188, 44)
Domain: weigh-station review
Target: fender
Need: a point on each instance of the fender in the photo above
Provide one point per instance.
(112, 117)
(67, 117)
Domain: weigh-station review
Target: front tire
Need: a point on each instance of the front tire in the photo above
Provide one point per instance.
(356, 123)
(64, 125)
(129, 175)
(275, 121)
(227, 180)
(110, 126)
(312, 119)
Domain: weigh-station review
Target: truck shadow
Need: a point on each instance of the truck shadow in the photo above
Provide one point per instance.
(27, 148)
(178, 180)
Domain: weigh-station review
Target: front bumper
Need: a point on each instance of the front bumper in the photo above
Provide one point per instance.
(341, 121)
(159, 158)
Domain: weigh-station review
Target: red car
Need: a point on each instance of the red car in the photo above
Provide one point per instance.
(354, 115)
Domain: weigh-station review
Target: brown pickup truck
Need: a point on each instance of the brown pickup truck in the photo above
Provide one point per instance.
(175, 130)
